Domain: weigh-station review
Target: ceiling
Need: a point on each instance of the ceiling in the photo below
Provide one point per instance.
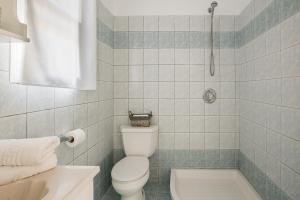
(173, 7)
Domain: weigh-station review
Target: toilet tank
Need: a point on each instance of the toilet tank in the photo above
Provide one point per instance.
(139, 141)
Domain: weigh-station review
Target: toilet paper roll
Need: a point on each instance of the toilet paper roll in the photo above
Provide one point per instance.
(78, 135)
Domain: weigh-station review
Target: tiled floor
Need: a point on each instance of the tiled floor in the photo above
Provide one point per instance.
(153, 192)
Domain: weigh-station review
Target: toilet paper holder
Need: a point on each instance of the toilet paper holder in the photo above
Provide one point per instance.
(63, 139)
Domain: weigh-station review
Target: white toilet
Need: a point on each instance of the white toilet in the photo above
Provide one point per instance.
(131, 173)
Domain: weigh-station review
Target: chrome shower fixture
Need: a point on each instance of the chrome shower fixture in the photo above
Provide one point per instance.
(211, 10)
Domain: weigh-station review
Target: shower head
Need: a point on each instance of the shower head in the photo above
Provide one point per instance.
(212, 8)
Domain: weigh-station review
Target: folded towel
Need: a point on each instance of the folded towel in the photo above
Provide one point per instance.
(27, 152)
(11, 174)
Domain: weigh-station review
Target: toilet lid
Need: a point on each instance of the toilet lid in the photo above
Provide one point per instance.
(130, 168)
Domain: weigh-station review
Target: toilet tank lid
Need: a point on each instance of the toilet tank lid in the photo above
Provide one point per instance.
(131, 129)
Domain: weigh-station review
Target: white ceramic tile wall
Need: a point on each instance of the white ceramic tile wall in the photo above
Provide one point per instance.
(170, 83)
(32, 111)
(268, 74)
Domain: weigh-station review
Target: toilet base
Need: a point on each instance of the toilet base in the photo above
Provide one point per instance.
(140, 195)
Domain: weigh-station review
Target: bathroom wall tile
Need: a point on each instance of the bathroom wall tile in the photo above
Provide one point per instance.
(80, 116)
(166, 142)
(227, 141)
(182, 124)
(196, 141)
(121, 57)
(182, 56)
(136, 73)
(166, 23)
(166, 90)
(212, 140)
(120, 73)
(196, 73)
(150, 72)
(136, 105)
(196, 107)
(196, 23)
(196, 89)
(136, 56)
(4, 56)
(81, 160)
(166, 39)
(121, 40)
(13, 98)
(197, 124)
(166, 107)
(166, 73)
(150, 23)
(182, 23)
(227, 23)
(136, 40)
(151, 40)
(63, 120)
(182, 73)
(121, 106)
(182, 107)
(14, 127)
(166, 56)
(151, 105)
(40, 124)
(290, 96)
(196, 40)
(182, 39)
(212, 124)
(290, 150)
(121, 23)
(150, 56)
(136, 23)
(150, 90)
(182, 141)
(39, 98)
(136, 90)
(196, 56)
(182, 90)
(228, 124)
(227, 90)
(166, 124)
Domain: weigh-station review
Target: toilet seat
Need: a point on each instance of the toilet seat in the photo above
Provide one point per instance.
(130, 168)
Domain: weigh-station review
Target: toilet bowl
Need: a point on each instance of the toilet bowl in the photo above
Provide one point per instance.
(130, 174)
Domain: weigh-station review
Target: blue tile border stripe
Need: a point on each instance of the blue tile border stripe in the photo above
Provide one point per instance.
(275, 13)
(102, 180)
(172, 39)
(163, 160)
(264, 186)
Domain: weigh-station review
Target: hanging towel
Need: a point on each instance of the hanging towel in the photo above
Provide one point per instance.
(11, 174)
(88, 46)
(69, 7)
(27, 152)
(51, 58)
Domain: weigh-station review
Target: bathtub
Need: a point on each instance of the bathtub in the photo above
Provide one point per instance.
(210, 184)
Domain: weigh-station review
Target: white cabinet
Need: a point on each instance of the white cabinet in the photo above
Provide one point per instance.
(10, 27)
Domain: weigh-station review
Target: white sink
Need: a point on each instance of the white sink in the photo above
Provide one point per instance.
(63, 182)
(24, 190)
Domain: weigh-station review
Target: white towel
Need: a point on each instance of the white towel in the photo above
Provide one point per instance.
(88, 46)
(27, 152)
(52, 56)
(11, 174)
(69, 7)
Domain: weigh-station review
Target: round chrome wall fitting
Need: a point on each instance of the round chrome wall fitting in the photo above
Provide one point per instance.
(209, 96)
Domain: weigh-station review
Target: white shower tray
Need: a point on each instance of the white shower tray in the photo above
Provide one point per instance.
(210, 184)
